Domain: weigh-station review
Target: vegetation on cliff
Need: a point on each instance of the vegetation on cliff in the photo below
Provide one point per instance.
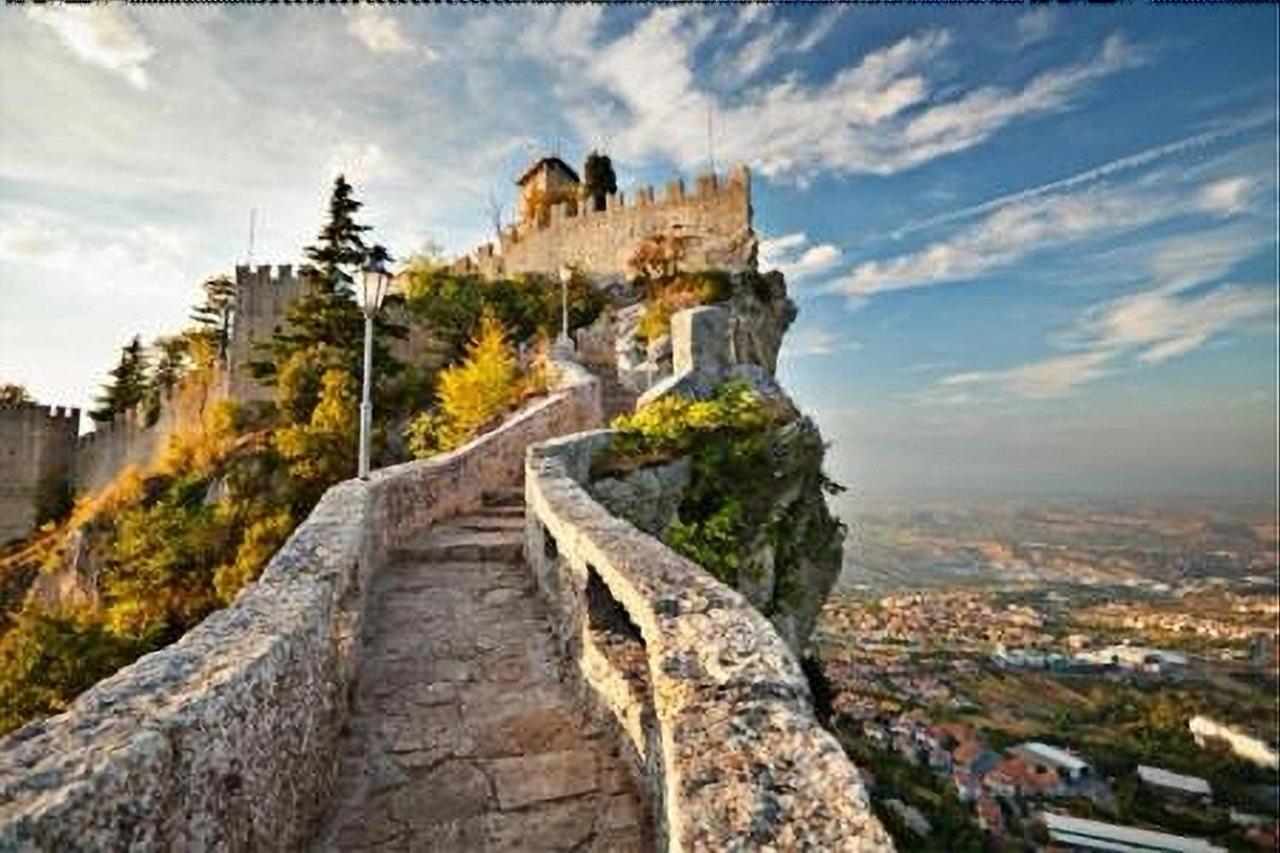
(751, 512)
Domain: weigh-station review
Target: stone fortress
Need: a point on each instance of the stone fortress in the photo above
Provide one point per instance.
(40, 447)
(713, 221)
(470, 651)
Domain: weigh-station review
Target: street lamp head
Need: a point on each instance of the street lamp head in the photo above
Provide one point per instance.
(374, 281)
(566, 274)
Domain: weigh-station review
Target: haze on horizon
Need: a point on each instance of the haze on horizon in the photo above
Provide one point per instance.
(1034, 251)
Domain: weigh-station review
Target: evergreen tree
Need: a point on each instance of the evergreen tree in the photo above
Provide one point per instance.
(598, 178)
(340, 245)
(128, 383)
(13, 395)
(213, 315)
(324, 327)
(171, 360)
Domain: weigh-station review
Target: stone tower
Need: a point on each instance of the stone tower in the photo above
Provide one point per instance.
(37, 452)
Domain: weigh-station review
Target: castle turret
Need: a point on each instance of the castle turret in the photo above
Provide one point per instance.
(37, 446)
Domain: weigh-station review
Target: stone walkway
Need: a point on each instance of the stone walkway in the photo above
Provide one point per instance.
(462, 735)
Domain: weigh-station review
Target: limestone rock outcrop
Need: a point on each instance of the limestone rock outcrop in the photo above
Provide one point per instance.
(789, 563)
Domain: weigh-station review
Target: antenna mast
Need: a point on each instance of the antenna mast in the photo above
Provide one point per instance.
(711, 142)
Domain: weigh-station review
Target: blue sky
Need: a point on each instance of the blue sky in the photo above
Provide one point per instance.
(1034, 250)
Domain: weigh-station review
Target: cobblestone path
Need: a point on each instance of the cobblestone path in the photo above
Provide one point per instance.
(462, 735)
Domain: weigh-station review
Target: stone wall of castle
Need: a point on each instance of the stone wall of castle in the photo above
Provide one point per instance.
(714, 218)
(263, 295)
(37, 448)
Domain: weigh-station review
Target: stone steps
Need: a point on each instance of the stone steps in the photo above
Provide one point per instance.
(491, 521)
(462, 736)
(453, 543)
(512, 496)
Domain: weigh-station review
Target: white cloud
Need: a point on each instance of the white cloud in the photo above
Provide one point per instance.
(102, 35)
(1007, 236)
(1227, 197)
(880, 116)
(1034, 27)
(1151, 326)
(813, 341)
(1032, 222)
(133, 257)
(360, 163)
(1051, 377)
(793, 255)
(1161, 325)
(380, 31)
(1089, 176)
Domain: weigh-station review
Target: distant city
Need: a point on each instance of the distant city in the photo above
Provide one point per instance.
(1063, 673)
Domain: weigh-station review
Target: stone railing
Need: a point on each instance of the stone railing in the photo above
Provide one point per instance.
(226, 740)
(713, 705)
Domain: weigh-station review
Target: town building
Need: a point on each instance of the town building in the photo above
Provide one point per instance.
(1066, 764)
(1175, 785)
(1073, 833)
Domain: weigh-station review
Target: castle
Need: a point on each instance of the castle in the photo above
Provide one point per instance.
(559, 225)
(713, 222)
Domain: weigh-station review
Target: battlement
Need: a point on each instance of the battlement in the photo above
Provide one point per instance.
(35, 413)
(715, 215)
(266, 275)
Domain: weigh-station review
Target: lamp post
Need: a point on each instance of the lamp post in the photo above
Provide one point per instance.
(373, 289)
(564, 344)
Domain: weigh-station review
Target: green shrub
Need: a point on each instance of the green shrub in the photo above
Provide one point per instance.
(738, 452)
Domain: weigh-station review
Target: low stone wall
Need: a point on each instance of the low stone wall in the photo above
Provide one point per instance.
(714, 705)
(226, 739)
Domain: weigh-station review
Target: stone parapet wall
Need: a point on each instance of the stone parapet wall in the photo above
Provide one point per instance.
(714, 217)
(226, 739)
(714, 705)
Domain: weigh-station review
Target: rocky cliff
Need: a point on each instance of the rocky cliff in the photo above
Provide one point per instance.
(757, 484)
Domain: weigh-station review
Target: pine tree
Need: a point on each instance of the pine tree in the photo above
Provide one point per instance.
(171, 362)
(598, 178)
(213, 315)
(324, 327)
(13, 395)
(128, 383)
(340, 245)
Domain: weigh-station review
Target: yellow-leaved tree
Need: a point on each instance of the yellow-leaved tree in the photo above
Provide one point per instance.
(473, 393)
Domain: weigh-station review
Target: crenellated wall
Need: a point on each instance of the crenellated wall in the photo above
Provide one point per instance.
(263, 295)
(714, 215)
(37, 449)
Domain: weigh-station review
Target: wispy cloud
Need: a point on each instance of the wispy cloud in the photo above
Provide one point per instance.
(881, 115)
(1228, 196)
(1137, 160)
(1034, 27)
(816, 341)
(1167, 319)
(1072, 212)
(102, 35)
(380, 31)
(796, 257)
(1051, 377)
